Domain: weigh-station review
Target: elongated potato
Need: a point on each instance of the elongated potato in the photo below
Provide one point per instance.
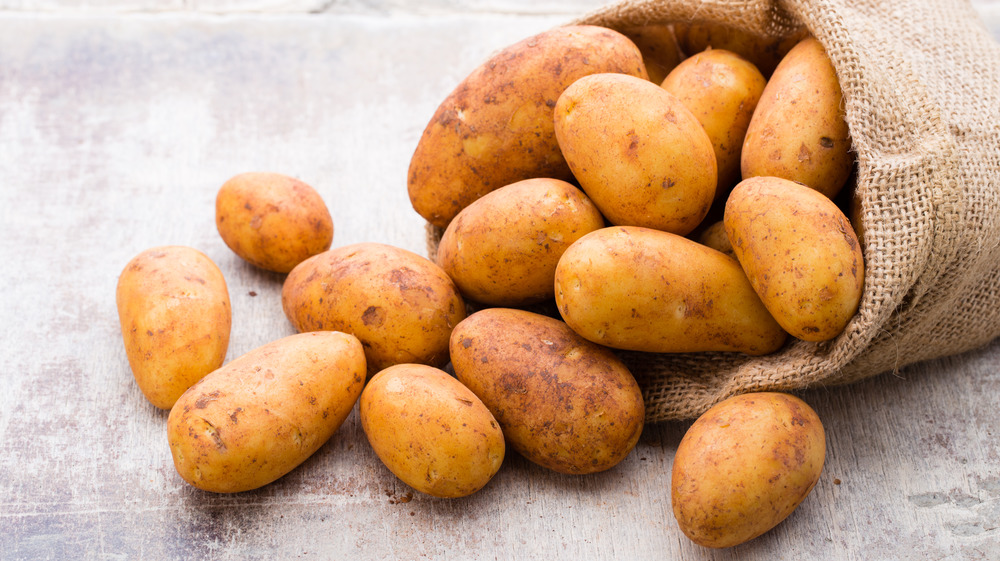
(431, 431)
(502, 249)
(645, 290)
(744, 466)
(798, 131)
(400, 305)
(799, 252)
(563, 402)
(638, 153)
(175, 316)
(721, 89)
(258, 417)
(495, 128)
(271, 220)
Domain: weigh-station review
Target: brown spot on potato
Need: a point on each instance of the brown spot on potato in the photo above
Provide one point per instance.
(373, 316)
(203, 401)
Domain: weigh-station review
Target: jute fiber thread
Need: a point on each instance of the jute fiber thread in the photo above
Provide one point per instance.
(921, 83)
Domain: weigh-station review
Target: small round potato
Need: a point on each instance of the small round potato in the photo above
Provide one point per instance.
(798, 131)
(563, 402)
(258, 417)
(644, 290)
(744, 466)
(271, 220)
(502, 249)
(715, 237)
(431, 431)
(175, 318)
(721, 89)
(400, 305)
(799, 252)
(638, 153)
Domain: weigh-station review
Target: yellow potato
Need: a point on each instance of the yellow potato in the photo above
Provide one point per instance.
(495, 128)
(763, 52)
(744, 466)
(502, 249)
(715, 237)
(400, 305)
(721, 89)
(638, 153)
(799, 252)
(660, 52)
(798, 131)
(562, 402)
(431, 431)
(271, 220)
(175, 316)
(644, 290)
(258, 417)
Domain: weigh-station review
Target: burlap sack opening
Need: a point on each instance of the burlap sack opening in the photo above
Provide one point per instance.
(921, 83)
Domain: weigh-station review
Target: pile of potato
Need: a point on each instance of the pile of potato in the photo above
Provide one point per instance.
(557, 172)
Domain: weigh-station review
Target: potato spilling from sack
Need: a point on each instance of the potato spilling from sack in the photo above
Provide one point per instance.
(638, 153)
(563, 402)
(744, 466)
(644, 290)
(502, 249)
(496, 128)
(258, 417)
(175, 317)
(400, 305)
(799, 252)
(431, 431)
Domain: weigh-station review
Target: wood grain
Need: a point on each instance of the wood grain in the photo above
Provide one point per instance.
(117, 129)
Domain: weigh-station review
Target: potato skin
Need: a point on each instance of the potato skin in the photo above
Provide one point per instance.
(798, 131)
(638, 289)
(175, 317)
(495, 128)
(744, 466)
(715, 237)
(502, 249)
(258, 417)
(721, 89)
(431, 431)
(799, 252)
(271, 220)
(400, 305)
(562, 402)
(638, 153)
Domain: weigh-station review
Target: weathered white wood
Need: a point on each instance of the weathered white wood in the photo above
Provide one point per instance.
(115, 133)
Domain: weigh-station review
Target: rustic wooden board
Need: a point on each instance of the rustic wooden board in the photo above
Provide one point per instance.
(116, 130)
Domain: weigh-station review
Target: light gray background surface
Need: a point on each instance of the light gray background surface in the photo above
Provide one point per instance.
(119, 120)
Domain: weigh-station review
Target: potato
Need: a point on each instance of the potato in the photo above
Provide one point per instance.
(763, 52)
(431, 431)
(660, 52)
(744, 466)
(638, 153)
(638, 289)
(799, 252)
(502, 249)
(175, 316)
(798, 131)
(400, 305)
(258, 417)
(271, 220)
(495, 128)
(562, 402)
(715, 237)
(721, 89)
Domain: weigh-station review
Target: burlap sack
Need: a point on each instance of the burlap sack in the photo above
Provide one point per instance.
(921, 83)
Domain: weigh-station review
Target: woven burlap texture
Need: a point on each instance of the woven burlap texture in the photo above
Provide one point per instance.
(921, 83)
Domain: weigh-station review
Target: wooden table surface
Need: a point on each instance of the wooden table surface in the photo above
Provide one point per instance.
(120, 119)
